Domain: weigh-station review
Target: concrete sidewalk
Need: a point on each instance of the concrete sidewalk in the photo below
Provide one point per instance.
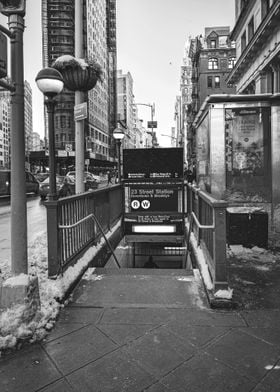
(149, 330)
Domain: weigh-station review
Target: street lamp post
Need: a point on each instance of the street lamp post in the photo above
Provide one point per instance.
(50, 83)
(118, 135)
(15, 11)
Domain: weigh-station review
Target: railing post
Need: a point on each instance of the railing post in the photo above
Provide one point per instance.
(53, 240)
(219, 246)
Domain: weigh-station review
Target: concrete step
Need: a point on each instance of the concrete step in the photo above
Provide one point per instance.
(144, 271)
(140, 288)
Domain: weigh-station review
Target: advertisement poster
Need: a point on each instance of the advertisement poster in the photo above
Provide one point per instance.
(247, 141)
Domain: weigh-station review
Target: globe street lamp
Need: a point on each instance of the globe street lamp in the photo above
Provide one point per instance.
(118, 135)
(50, 83)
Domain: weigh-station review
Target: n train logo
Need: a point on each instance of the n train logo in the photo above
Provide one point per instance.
(145, 204)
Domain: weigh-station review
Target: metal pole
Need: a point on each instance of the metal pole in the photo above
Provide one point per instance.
(79, 125)
(119, 160)
(152, 118)
(50, 103)
(19, 262)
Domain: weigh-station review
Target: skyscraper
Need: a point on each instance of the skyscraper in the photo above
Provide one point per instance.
(99, 20)
(5, 126)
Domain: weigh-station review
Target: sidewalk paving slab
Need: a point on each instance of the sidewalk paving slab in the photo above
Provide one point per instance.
(140, 331)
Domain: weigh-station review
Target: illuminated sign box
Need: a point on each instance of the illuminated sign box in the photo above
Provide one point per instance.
(155, 229)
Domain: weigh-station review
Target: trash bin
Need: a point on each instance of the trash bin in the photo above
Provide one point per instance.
(247, 227)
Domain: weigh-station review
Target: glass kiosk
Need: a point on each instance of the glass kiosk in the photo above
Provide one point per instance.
(238, 160)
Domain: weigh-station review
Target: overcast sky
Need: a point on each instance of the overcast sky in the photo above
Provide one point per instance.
(151, 36)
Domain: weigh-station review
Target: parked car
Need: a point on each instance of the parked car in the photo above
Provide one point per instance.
(32, 185)
(88, 174)
(44, 187)
(89, 180)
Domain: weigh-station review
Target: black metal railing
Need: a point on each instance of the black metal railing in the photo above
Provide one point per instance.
(71, 224)
(207, 221)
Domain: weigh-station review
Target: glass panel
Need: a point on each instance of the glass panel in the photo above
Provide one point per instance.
(203, 155)
(248, 154)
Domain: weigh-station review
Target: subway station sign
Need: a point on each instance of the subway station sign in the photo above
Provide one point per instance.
(153, 199)
(151, 208)
(153, 180)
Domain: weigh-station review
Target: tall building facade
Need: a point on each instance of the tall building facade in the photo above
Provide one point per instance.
(256, 33)
(58, 31)
(126, 110)
(5, 129)
(5, 125)
(36, 141)
(99, 44)
(186, 97)
(178, 117)
(212, 57)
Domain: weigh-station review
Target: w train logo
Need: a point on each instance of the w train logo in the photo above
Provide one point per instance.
(145, 204)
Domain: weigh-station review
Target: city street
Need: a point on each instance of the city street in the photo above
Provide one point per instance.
(36, 224)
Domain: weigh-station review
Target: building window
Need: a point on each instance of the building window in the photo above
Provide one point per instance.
(217, 82)
(231, 62)
(213, 44)
(243, 4)
(209, 82)
(224, 41)
(251, 29)
(243, 41)
(212, 63)
(265, 8)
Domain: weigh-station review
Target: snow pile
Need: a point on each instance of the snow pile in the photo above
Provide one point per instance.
(19, 280)
(244, 210)
(184, 278)
(224, 294)
(14, 330)
(259, 258)
(90, 276)
(202, 263)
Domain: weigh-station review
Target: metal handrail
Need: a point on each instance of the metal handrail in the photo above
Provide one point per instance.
(75, 224)
(92, 216)
(200, 226)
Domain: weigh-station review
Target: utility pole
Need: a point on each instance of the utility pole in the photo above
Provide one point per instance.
(19, 261)
(79, 95)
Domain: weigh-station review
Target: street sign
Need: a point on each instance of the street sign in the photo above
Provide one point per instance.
(152, 124)
(80, 111)
(3, 55)
(68, 147)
